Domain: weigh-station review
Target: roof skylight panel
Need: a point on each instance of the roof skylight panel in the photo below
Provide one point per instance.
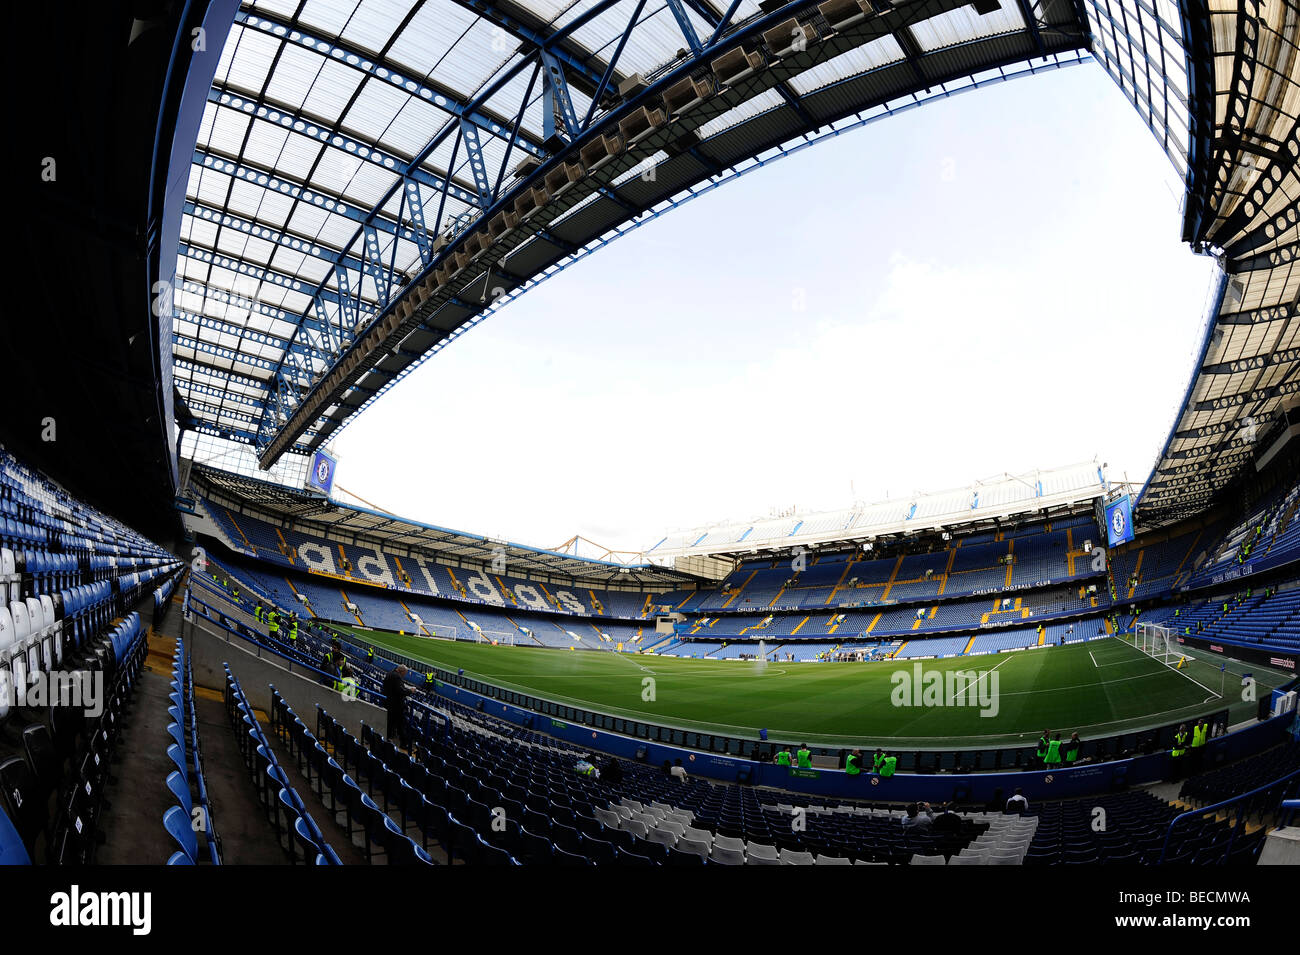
(549, 10)
(258, 203)
(208, 186)
(308, 220)
(412, 127)
(336, 231)
(432, 32)
(224, 339)
(374, 109)
(310, 269)
(296, 71)
(373, 22)
(369, 183)
(295, 160)
(252, 54)
(264, 144)
(226, 134)
(328, 17)
(655, 40)
(473, 60)
(283, 8)
(198, 231)
(601, 34)
(242, 246)
(332, 89)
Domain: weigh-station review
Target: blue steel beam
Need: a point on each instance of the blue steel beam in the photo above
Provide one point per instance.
(202, 368)
(292, 282)
(579, 62)
(249, 334)
(684, 24)
(229, 328)
(319, 335)
(519, 117)
(613, 62)
(556, 102)
(198, 387)
(477, 163)
(721, 26)
(321, 131)
(1031, 21)
(277, 237)
(444, 98)
(319, 198)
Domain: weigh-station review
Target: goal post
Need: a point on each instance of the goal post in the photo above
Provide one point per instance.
(1158, 642)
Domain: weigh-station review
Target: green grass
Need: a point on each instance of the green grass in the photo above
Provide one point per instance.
(1097, 688)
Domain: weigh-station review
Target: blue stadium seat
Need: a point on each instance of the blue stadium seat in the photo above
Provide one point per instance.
(181, 828)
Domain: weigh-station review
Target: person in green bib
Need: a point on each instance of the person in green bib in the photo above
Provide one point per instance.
(428, 681)
(1200, 736)
(257, 612)
(853, 762)
(1053, 758)
(342, 673)
(783, 758)
(804, 757)
(274, 625)
(1179, 751)
(370, 654)
(877, 761)
(1071, 749)
(888, 766)
(1043, 742)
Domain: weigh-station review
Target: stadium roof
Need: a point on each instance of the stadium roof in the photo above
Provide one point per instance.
(373, 177)
(1243, 205)
(1001, 498)
(353, 204)
(313, 514)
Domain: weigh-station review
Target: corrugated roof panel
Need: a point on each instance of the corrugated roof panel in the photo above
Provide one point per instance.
(869, 56)
(964, 24)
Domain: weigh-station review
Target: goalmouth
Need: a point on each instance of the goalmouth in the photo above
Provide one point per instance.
(500, 638)
(1160, 643)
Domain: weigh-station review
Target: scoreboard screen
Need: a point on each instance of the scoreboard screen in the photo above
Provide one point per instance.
(320, 478)
(1119, 520)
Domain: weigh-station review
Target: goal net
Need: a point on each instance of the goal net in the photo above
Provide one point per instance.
(501, 638)
(422, 628)
(1160, 643)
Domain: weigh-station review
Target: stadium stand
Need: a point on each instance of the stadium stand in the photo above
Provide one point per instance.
(72, 644)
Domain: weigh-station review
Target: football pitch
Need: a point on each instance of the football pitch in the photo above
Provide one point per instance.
(1097, 688)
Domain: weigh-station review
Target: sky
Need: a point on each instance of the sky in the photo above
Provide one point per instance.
(991, 283)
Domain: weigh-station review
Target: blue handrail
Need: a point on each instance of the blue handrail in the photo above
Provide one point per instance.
(1289, 807)
(374, 695)
(1240, 811)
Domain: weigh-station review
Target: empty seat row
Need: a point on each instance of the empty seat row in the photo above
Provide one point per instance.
(296, 831)
(369, 827)
(191, 816)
